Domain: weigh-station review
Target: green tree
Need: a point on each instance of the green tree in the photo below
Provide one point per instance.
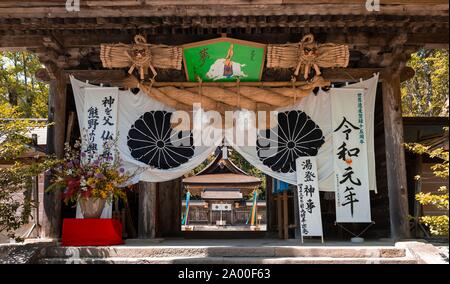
(438, 225)
(15, 180)
(21, 97)
(426, 94)
(244, 165)
(18, 84)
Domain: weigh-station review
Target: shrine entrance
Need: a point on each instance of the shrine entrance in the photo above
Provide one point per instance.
(222, 197)
(256, 57)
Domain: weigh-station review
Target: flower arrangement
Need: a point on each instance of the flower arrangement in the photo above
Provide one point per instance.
(84, 174)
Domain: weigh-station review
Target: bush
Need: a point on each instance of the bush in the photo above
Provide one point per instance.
(15, 201)
(438, 225)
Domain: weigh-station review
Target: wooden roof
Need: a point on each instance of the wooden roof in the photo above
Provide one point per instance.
(222, 180)
(71, 40)
(426, 130)
(221, 166)
(31, 155)
(437, 141)
(221, 174)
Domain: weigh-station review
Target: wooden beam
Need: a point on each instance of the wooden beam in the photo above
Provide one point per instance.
(357, 40)
(147, 210)
(102, 3)
(115, 77)
(112, 77)
(354, 74)
(15, 43)
(395, 155)
(53, 43)
(204, 24)
(198, 8)
(42, 75)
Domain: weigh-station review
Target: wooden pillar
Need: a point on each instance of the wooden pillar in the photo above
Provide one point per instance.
(210, 214)
(51, 219)
(395, 155)
(279, 216)
(297, 232)
(285, 216)
(147, 210)
(270, 205)
(232, 213)
(418, 188)
(169, 213)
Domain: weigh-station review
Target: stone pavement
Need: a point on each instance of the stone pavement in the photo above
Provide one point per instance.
(242, 251)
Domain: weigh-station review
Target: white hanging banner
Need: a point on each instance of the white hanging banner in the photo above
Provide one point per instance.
(351, 174)
(100, 118)
(148, 144)
(308, 197)
(300, 123)
(100, 123)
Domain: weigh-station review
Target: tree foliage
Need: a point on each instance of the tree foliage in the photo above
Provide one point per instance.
(21, 97)
(426, 94)
(18, 84)
(244, 165)
(438, 225)
(15, 180)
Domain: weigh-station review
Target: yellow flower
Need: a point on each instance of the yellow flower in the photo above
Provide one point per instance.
(108, 187)
(90, 181)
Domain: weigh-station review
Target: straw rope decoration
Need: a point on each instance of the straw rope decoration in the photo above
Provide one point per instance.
(224, 98)
(141, 56)
(307, 55)
(300, 57)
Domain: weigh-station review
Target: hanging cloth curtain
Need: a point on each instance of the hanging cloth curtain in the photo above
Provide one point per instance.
(145, 146)
(304, 129)
(147, 142)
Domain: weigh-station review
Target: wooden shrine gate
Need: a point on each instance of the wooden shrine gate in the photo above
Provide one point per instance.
(70, 42)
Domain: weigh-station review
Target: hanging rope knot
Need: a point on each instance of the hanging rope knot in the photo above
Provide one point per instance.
(200, 88)
(152, 81)
(199, 80)
(293, 81)
(307, 56)
(140, 57)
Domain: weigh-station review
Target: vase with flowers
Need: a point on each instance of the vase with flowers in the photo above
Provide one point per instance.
(91, 179)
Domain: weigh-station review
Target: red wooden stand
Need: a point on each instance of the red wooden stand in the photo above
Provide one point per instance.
(91, 232)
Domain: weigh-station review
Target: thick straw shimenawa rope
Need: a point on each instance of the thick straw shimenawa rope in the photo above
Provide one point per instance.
(307, 54)
(222, 99)
(141, 56)
(226, 98)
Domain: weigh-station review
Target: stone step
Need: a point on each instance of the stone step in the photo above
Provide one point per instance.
(228, 260)
(201, 252)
